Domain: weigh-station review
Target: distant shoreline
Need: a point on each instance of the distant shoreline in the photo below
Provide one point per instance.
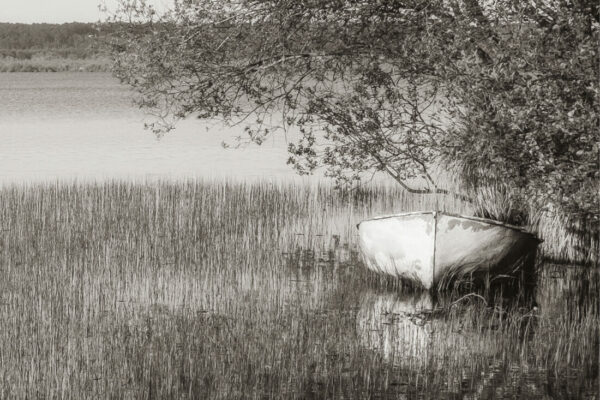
(95, 64)
(54, 47)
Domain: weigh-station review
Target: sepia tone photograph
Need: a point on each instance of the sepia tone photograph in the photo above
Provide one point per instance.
(300, 199)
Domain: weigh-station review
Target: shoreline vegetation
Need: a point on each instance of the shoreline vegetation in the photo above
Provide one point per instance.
(55, 64)
(231, 290)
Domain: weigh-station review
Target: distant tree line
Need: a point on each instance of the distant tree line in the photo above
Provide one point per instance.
(69, 40)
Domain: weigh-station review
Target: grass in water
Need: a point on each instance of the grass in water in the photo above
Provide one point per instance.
(224, 290)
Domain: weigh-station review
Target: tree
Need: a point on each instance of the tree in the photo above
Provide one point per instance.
(500, 91)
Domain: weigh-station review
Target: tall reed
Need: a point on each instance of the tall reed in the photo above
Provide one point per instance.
(228, 290)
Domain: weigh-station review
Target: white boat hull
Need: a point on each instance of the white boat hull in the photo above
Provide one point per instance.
(431, 247)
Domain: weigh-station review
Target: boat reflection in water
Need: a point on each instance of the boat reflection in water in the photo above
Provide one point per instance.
(457, 346)
(396, 325)
(413, 330)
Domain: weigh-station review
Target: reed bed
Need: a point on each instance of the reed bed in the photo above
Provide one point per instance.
(229, 290)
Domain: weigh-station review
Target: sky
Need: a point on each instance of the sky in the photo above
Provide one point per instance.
(56, 11)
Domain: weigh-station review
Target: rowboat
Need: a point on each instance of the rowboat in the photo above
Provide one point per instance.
(431, 247)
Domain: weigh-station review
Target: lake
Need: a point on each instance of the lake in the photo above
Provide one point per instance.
(140, 281)
(84, 126)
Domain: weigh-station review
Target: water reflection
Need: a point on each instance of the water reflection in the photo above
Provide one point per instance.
(397, 326)
(491, 344)
(409, 330)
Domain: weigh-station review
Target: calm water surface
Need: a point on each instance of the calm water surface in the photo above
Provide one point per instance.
(84, 126)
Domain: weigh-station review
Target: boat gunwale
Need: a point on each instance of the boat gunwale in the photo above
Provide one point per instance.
(478, 219)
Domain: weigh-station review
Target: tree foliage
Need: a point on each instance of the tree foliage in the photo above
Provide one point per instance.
(505, 90)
